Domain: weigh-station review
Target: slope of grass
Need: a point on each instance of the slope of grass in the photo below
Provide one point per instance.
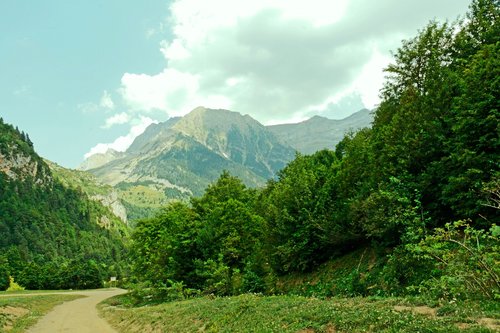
(79, 179)
(254, 313)
(18, 312)
(355, 273)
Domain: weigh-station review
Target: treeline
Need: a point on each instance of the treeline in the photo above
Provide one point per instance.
(51, 236)
(422, 186)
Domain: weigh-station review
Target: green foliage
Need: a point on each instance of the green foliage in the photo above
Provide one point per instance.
(4, 276)
(467, 260)
(13, 285)
(303, 228)
(145, 293)
(74, 274)
(164, 246)
(208, 246)
(255, 313)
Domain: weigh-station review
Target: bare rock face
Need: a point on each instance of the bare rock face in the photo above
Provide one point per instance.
(113, 202)
(18, 166)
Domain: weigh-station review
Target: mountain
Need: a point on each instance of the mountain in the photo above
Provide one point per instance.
(44, 221)
(318, 132)
(180, 157)
(97, 160)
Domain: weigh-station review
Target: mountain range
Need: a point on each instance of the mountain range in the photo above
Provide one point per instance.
(179, 158)
(318, 132)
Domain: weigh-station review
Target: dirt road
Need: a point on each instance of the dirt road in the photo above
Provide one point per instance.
(78, 316)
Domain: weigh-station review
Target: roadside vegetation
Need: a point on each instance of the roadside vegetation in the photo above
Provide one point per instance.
(257, 313)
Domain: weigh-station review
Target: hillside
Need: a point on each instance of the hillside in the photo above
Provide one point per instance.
(49, 229)
(88, 183)
(319, 132)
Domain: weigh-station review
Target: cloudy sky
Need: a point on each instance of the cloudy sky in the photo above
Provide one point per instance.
(84, 76)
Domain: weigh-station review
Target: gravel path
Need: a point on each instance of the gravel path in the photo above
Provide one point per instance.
(78, 316)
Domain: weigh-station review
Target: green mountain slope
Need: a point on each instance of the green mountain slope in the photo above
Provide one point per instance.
(46, 224)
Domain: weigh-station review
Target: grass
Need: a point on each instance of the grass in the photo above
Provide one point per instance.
(334, 277)
(254, 313)
(143, 196)
(18, 312)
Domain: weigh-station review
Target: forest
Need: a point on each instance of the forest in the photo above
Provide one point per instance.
(420, 190)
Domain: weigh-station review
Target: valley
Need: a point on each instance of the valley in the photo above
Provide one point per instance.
(385, 221)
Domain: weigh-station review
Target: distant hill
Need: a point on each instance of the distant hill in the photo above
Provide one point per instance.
(97, 160)
(318, 132)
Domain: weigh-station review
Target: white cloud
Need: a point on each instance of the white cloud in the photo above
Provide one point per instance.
(372, 75)
(106, 101)
(117, 119)
(277, 59)
(123, 142)
(22, 91)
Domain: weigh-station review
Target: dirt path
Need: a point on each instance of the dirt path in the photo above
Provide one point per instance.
(78, 316)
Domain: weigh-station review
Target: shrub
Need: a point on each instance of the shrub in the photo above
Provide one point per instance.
(467, 259)
(13, 286)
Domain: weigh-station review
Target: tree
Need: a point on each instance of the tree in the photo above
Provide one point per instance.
(303, 228)
(164, 246)
(474, 146)
(230, 231)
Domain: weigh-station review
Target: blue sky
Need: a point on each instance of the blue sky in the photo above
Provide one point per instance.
(84, 76)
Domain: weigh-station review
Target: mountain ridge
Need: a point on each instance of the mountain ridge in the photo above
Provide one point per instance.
(180, 157)
(318, 132)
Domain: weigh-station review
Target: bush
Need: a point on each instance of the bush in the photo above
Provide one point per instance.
(467, 260)
(146, 293)
(13, 286)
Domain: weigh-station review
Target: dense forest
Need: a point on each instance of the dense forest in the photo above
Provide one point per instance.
(51, 235)
(420, 189)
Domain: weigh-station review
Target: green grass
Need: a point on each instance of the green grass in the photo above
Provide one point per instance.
(335, 277)
(143, 196)
(18, 312)
(253, 313)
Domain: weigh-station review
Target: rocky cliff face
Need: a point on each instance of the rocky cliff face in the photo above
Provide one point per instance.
(113, 202)
(18, 166)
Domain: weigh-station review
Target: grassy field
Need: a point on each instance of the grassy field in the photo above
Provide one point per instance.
(18, 312)
(254, 313)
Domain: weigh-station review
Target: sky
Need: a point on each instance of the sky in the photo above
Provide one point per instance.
(81, 77)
